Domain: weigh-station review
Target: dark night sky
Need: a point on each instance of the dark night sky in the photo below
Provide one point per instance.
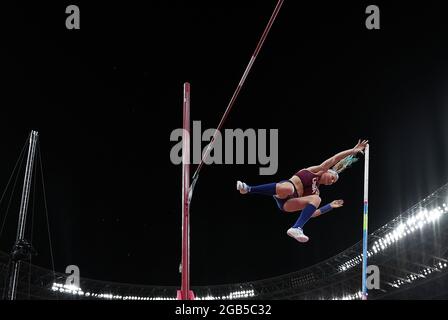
(106, 98)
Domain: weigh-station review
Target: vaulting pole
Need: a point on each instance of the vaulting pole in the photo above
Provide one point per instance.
(238, 88)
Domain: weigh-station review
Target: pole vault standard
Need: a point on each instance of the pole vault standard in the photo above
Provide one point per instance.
(187, 190)
(185, 293)
(365, 224)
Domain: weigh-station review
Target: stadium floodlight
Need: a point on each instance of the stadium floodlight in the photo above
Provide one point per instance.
(410, 225)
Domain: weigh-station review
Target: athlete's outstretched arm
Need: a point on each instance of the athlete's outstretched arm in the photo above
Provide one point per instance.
(332, 205)
(327, 164)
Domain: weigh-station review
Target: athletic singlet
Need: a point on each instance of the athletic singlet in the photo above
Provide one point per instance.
(310, 182)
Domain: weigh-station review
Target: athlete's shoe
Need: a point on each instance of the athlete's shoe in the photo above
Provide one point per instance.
(242, 187)
(297, 233)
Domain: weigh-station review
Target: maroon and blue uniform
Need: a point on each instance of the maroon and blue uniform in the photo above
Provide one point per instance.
(310, 182)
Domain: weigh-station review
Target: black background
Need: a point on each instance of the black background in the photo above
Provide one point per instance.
(106, 98)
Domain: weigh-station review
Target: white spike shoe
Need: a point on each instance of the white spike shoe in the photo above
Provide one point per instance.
(297, 233)
(242, 187)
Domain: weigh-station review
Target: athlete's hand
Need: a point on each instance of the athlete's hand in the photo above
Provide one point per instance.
(337, 204)
(360, 146)
(334, 204)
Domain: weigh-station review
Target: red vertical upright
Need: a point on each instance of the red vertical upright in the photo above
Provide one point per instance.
(185, 293)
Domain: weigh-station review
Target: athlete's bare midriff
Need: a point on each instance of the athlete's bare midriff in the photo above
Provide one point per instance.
(298, 184)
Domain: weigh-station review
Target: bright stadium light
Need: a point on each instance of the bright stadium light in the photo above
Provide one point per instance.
(411, 224)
